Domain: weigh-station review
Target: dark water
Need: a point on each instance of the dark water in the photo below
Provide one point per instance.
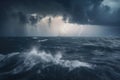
(46, 58)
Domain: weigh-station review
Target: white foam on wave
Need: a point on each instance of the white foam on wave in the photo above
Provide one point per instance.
(33, 57)
(43, 40)
(41, 56)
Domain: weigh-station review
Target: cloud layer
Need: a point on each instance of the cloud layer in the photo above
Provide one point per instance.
(17, 13)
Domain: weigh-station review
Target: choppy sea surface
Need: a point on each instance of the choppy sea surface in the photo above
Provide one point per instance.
(59, 58)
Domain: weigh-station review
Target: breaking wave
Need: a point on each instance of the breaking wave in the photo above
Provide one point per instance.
(27, 60)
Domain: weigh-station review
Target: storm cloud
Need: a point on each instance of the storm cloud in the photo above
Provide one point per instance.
(17, 13)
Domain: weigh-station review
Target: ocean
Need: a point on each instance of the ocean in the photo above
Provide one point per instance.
(59, 58)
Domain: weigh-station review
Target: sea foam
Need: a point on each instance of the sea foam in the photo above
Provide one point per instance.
(33, 57)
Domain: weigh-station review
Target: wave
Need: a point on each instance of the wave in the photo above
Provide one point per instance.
(84, 59)
(43, 40)
(27, 60)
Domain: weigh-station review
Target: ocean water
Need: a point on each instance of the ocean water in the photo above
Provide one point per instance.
(59, 58)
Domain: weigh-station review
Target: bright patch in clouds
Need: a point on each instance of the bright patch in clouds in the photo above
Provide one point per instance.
(63, 28)
(56, 27)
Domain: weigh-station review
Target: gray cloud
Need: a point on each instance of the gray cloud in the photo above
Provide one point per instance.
(98, 12)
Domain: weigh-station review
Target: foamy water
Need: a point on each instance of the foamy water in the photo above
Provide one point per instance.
(60, 59)
(34, 57)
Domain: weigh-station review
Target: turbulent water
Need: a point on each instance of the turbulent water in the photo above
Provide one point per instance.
(60, 58)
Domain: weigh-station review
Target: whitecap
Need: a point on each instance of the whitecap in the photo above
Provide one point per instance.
(43, 40)
(41, 56)
(31, 58)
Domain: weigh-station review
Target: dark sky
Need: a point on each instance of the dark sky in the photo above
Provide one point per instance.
(16, 15)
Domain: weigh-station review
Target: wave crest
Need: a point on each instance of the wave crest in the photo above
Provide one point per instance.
(34, 57)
